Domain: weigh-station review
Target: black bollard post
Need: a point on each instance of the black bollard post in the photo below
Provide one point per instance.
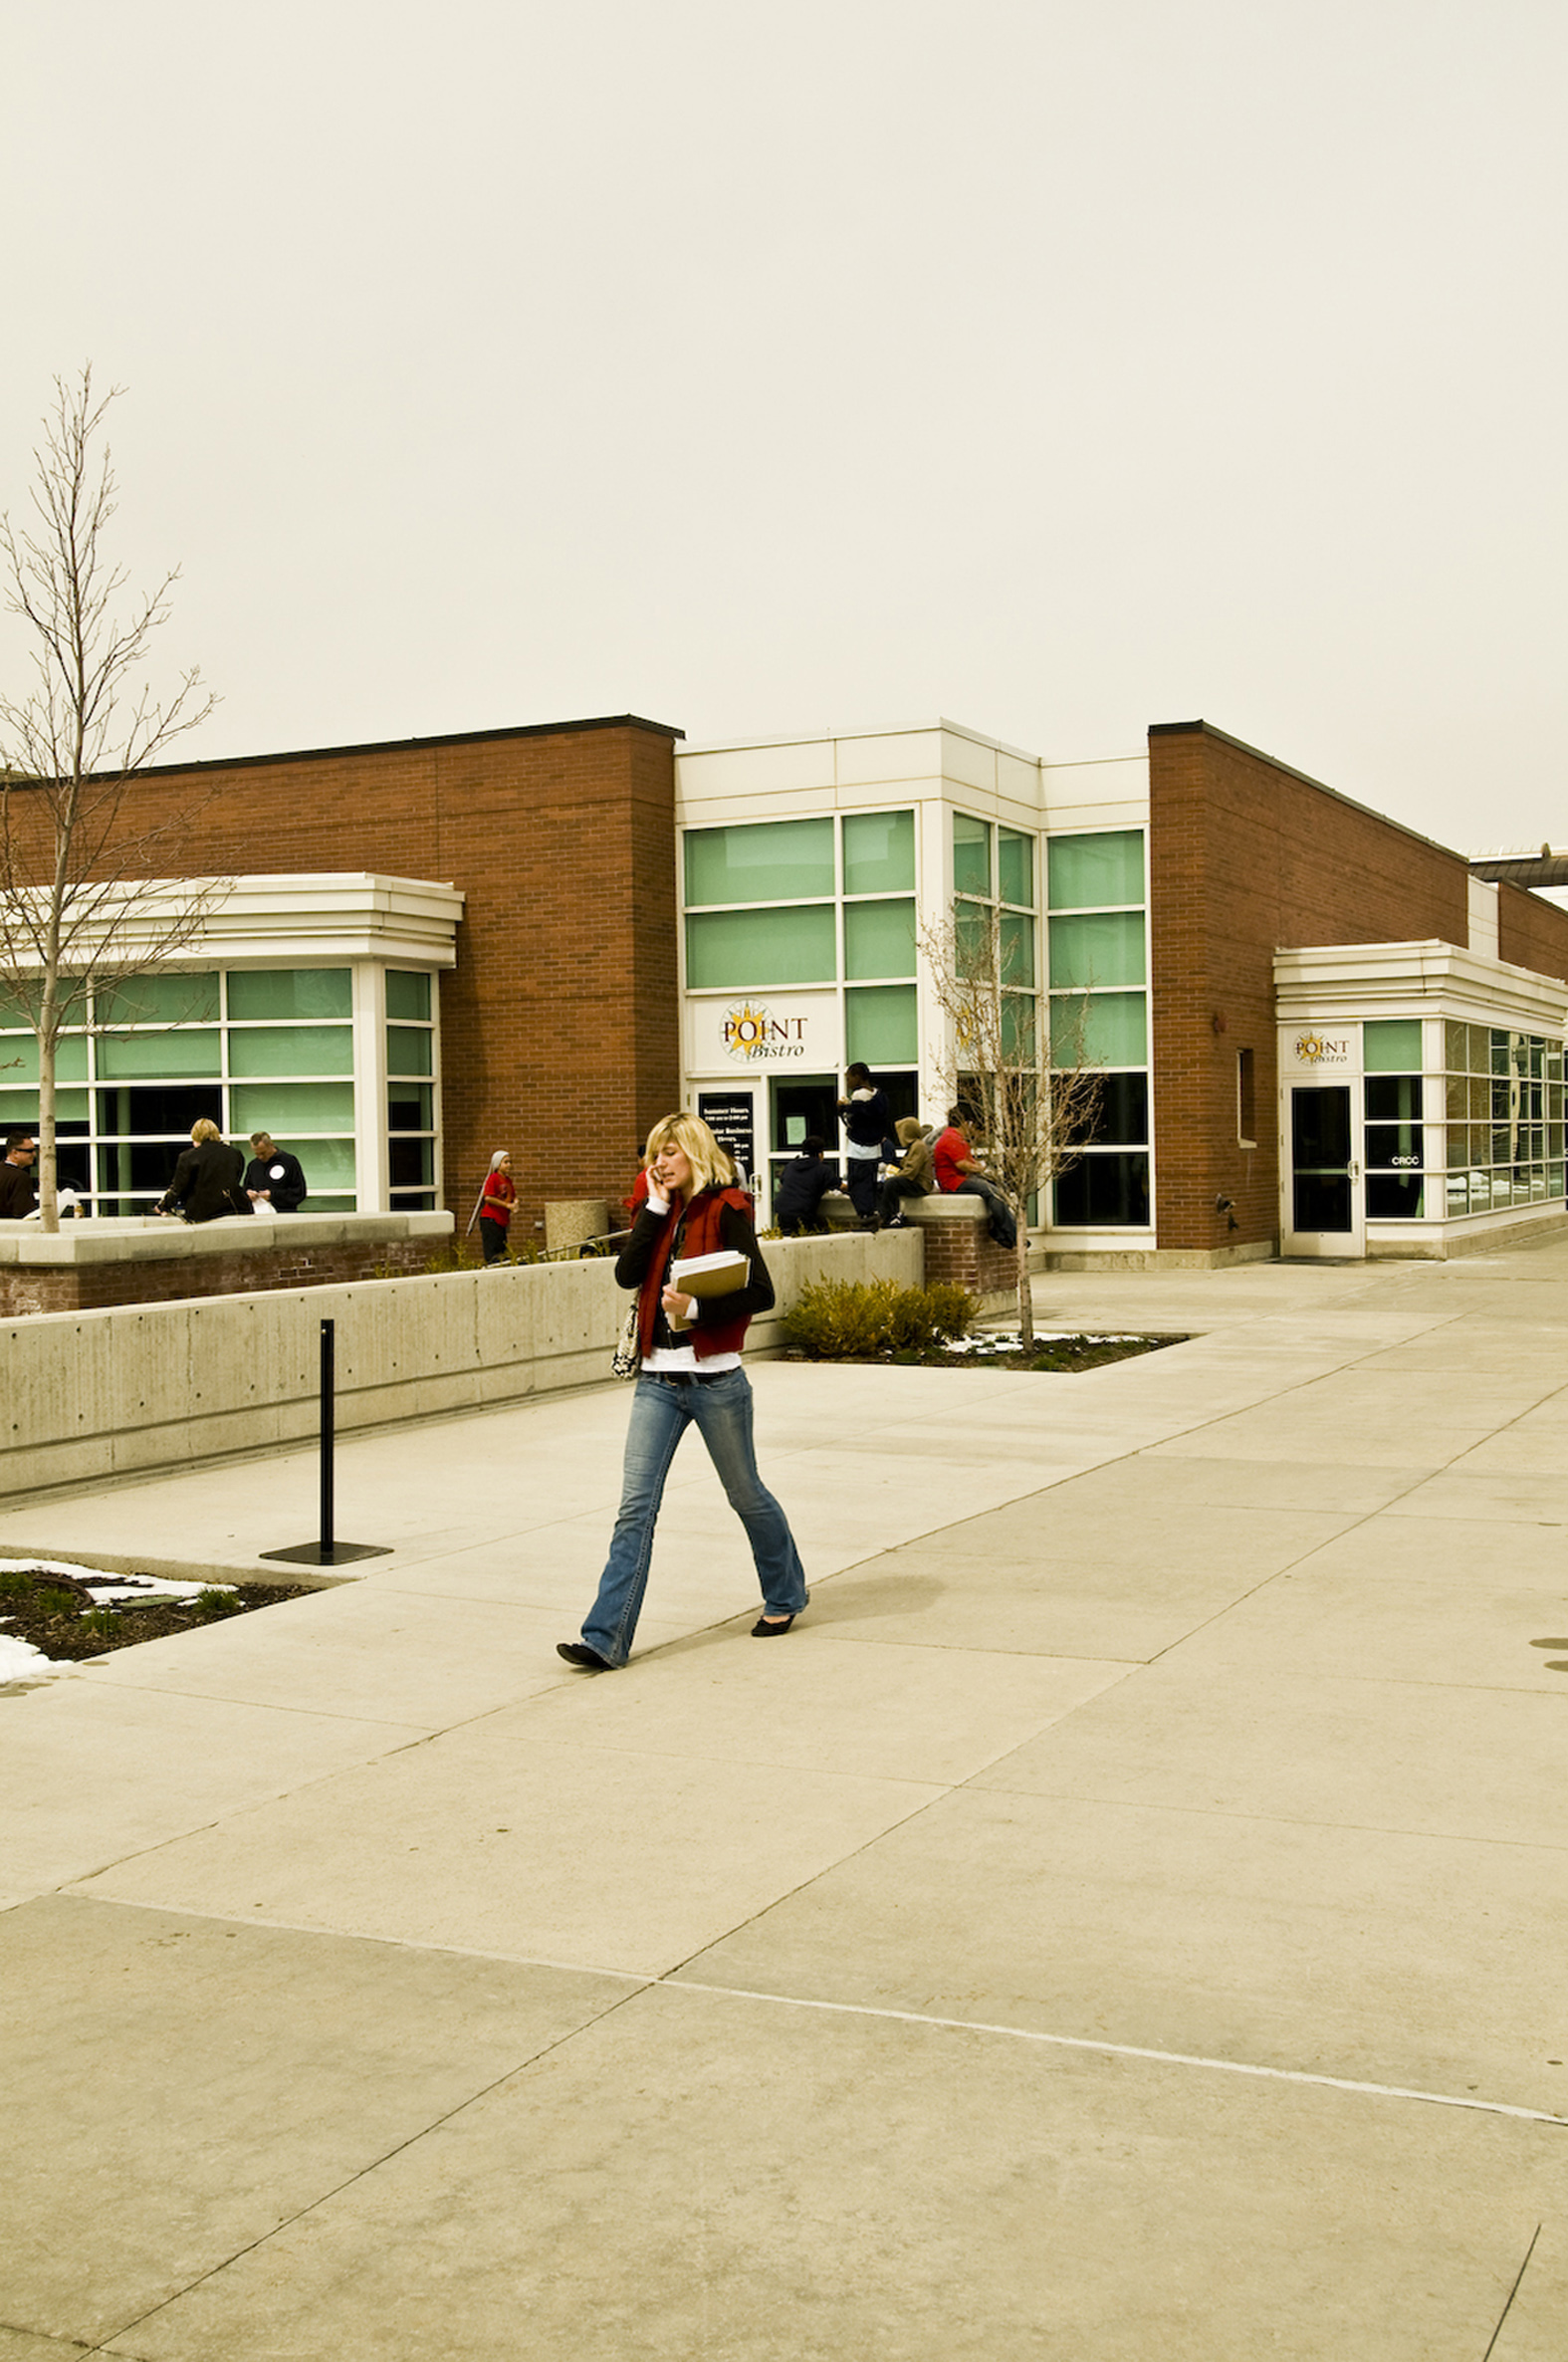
(327, 1384)
(327, 1549)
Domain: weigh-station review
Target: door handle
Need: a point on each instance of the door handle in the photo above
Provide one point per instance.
(1355, 1171)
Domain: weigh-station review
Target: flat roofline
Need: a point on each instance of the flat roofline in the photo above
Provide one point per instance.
(921, 729)
(402, 746)
(1211, 730)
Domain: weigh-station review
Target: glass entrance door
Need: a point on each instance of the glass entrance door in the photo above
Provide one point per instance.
(1327, 1209)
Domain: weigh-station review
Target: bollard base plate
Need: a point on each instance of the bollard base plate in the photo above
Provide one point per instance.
(311, 1553)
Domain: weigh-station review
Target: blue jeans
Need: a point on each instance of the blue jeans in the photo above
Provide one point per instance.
(661, 1409)
(1003, 1229)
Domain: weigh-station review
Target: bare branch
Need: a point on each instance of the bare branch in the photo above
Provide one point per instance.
(1035, 1103)
(86, 900)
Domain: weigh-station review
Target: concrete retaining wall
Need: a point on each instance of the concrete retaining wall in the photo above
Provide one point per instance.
(139, 1387)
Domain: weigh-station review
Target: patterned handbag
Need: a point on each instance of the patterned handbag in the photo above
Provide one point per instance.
(627, 1358)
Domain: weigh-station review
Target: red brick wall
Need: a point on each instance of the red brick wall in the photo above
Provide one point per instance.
(1532, 933)
(95, 1286)
(560, 1025)
(1247, 857)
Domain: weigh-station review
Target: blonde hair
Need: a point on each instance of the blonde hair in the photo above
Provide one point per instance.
(712, 1166)
(205, 1129)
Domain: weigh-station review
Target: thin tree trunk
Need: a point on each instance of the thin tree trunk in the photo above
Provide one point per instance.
(1026, 1292)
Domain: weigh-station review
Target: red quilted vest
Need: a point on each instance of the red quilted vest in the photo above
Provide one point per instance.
(709, 1336)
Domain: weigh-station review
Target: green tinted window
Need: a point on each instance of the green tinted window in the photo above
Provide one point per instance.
(1018, 948)
(880, 1025)
(1089, 872)
(289, 992)
(292, 1049)
(971, 855)
(770, 862)
(408, 1050)
(879, 939)
(172, 1000)
(19, 1107)
(747, 949)
(121, 1057)
(1392, 1046)
(328, 1164)
(1018, 1026)
(879, 852)
(1098, 1029)
(1097, 950)
(407, 993)
(1015, 866)
(287, 1108)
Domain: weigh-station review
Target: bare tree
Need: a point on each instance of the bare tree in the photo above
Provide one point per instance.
(1033, 1103)
(84, 899)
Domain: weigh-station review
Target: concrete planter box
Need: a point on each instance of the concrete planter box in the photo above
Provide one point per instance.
(85, 1265)
(93, 1396)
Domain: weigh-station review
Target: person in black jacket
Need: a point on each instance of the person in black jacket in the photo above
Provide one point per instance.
(867, 1120)
(802, 1184)
(18, 1194)
(208, 1179)
(274, 1176)
(691, 1376)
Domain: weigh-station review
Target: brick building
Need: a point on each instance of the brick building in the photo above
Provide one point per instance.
(1317, 1029)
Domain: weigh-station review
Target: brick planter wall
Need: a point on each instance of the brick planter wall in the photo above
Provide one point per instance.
(960, 1250)
(90, 1266)
(95, 1286)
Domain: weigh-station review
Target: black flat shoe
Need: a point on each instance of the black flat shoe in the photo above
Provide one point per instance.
(578, 1652)
(763, 1630)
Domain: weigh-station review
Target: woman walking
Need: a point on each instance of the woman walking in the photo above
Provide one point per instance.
(495, 1207)
(691, 1373)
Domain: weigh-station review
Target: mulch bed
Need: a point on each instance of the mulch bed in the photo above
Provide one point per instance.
(1059, 1353)
(50, 1610)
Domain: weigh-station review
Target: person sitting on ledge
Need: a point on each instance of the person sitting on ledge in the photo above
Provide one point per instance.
(958, 1174)
(208, 1179)
(802, 1184)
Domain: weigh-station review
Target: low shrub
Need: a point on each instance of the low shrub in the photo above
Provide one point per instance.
(852, 1319)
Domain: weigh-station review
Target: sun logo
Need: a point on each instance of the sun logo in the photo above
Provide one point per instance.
(746, 1030)
(1311, 1047)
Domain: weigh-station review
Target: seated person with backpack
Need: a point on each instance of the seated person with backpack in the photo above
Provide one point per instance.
(802, 1186)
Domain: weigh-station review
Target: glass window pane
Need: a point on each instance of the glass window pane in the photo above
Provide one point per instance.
(1016, 936)
(408, 1050)
(1098, 1029)
(410, 1107)
(407, 993)
(1391, 1046)
(1097, 951)
(410, 1161)
(768, 861)
(1110, 1187)
(1393, 1197)
(881, 1026)
(1456, 1094)
(124, 1054)
(971, 855)
(1015, 866)
(291, 1050)
(19, 1062)
(1089, 872)
(1393, 1099)
(290, 1107)
(879, 852)
(1456, 1046)
(879, 939)
(328, 1164)
(289, 992)
(172, 1000)
(1018, 1028)
(972, 941)
(21, 1107)
(747, 949)
(1122, 1116)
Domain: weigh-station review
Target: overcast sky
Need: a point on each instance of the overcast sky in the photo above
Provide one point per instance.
(1059, 366)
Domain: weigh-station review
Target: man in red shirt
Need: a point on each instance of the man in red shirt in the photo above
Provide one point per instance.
(957, 1174)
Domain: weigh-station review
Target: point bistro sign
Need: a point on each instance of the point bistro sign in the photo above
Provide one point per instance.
(752, 1035)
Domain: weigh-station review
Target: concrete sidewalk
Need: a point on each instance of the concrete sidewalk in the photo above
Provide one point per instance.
(1123, 1920)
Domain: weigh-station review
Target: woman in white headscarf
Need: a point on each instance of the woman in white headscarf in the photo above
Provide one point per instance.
(495, 1207)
